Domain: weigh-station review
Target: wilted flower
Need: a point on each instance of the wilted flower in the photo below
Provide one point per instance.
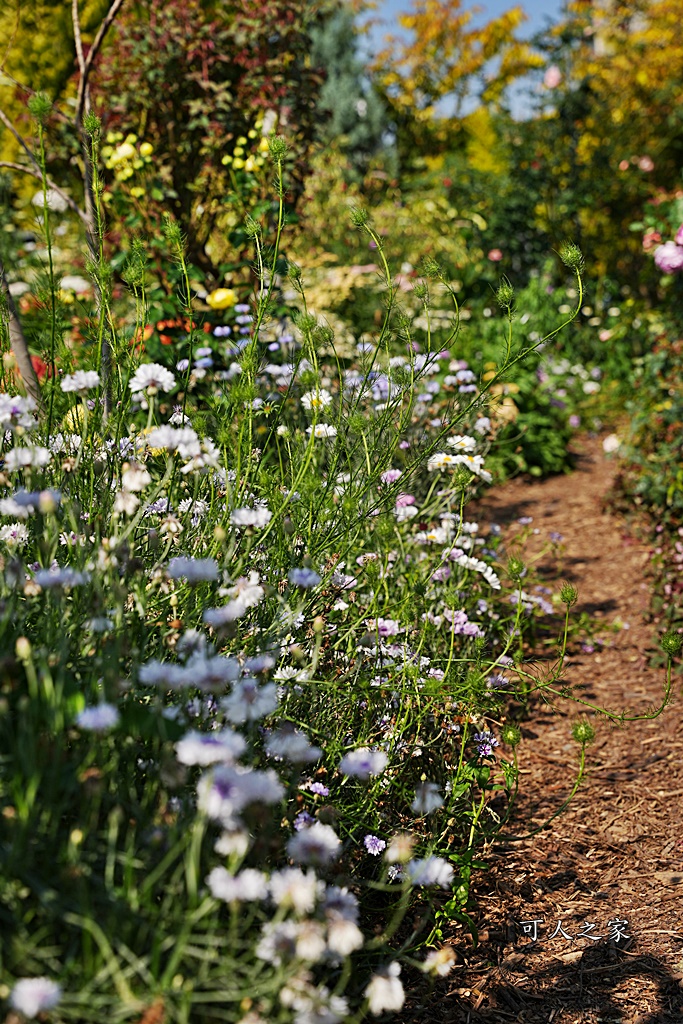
(439, 962)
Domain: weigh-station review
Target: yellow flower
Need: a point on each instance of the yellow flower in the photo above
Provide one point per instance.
(137, 192)
(238, 163)
(263, 146)
(221, 298)
(146, 149)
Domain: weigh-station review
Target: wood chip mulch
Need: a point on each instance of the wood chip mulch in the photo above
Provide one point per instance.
(610, 866)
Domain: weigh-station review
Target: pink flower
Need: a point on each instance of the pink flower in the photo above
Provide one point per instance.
(495, 255)
(646, 163)
(650, 239)
(624, 165)
(669, 258)
(552, 77)
(404, 499)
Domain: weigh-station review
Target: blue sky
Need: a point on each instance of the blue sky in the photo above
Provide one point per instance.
(540, 13)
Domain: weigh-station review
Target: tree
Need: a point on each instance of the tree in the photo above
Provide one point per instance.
(439, 65)
(201, 83)
(609, 129)
(354, 119)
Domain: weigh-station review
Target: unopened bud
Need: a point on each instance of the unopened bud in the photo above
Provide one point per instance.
(516, 568)
(278, 147)
(505, 295)
(571, 256)
(671, 642)
(23, 648)
(568, 594)
(583, 732)
(359, 217)
(510, 735)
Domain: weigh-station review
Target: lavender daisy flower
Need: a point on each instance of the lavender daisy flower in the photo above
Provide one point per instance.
(98, 718)
(304, 578)
(374, 845)
(485, 741)
(363, 762)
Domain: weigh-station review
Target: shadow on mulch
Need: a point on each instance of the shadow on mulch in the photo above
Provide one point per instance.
(599, 984)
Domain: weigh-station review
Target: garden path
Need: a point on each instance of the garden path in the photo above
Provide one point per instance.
(617, 851)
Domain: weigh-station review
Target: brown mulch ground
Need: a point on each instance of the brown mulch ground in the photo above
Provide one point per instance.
(617, 852)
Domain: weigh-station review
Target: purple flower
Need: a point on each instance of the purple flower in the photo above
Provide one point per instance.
(485, 741)
(319, 789)
(669, 258)
(303, 820)
(574, 421)
(374, 845)
(304, 578)
(525, 520)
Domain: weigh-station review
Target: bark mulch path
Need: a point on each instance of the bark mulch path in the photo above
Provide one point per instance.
(616, 854)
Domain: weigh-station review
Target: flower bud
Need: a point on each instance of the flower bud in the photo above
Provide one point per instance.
(23, 648)
(671, 642)
(583, 732)
(569, 594)
(278, 147)
(359, 217)
(571, 256)
(39, 107)
(516, 568)
(510, 735)
(505, 295)
(92, 125)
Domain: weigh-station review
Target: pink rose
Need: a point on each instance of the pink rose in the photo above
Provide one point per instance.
(669, 258)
